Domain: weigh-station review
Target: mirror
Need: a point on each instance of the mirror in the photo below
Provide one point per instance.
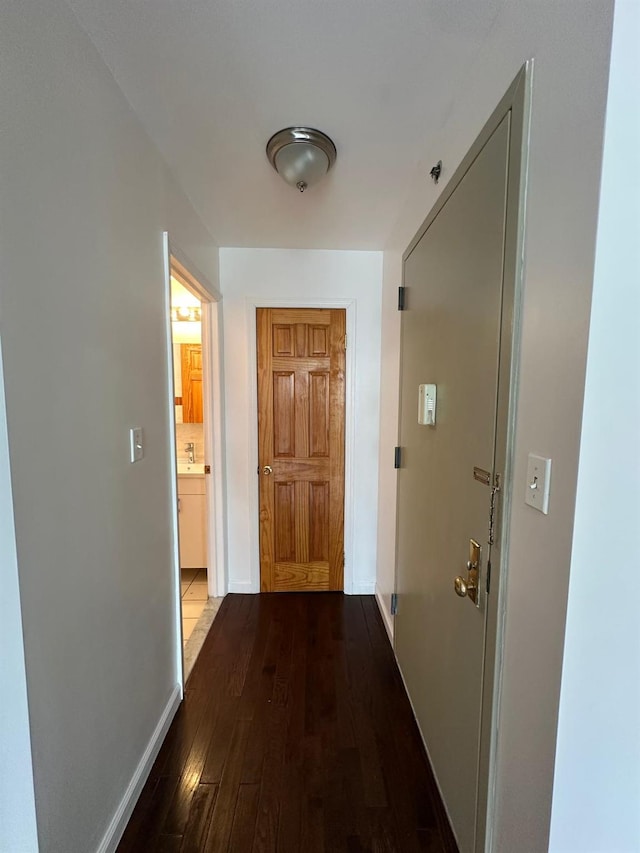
(186, 333)
(191, 375)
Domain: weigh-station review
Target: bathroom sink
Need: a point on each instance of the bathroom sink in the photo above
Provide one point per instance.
(190, 468)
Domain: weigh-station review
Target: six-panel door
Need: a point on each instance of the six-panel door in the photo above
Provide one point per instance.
(301, 397)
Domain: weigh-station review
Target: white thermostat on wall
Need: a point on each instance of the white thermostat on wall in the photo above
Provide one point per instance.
(427, 405)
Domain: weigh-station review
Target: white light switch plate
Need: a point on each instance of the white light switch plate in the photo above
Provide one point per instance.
(537, 486)
(136, 444)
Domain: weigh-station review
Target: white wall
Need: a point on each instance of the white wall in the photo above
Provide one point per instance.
(18, 831)
(85, 199)
(261, 275)
(570, 44)
(596, 797)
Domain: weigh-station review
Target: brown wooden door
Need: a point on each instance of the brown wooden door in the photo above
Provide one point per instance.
(192, 383)
(301, 398)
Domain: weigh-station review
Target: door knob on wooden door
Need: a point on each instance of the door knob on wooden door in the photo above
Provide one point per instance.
(267, 470)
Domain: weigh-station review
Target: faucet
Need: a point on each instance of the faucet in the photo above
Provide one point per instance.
(190, 450)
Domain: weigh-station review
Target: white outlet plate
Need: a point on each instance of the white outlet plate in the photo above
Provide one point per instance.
(136, 441)
(537, 485)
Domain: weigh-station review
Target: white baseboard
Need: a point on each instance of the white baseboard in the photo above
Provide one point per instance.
(242, 587)
(366, 588)
(121, 817)
(363, 588)
(387, 618)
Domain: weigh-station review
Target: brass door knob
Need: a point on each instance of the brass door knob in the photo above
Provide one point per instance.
(267, 470)
(460, 587)
(465, 587)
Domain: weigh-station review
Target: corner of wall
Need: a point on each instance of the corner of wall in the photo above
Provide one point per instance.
(384, 605)
(118, 823)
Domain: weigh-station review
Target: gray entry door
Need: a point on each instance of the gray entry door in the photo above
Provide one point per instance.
(451, 331)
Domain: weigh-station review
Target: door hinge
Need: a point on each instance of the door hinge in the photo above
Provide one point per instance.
(397, 457)
(401, 298)
(343, 560)
(394, 603)
(488, 576)
(345, 342)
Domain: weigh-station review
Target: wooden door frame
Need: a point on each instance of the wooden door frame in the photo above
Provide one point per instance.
(251, 304)
(211, 299)
(517, 99)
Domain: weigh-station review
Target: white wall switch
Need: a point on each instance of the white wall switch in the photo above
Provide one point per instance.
(538, 479)
(137, 444)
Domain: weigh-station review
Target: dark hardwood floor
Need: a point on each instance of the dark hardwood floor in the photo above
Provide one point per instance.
(295, 734)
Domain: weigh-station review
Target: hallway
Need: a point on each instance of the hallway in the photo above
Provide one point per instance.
(296, 734)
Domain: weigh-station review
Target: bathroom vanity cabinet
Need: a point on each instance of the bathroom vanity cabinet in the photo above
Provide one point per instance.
(191, 521)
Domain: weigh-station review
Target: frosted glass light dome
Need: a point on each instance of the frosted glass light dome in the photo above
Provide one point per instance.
(301, 155)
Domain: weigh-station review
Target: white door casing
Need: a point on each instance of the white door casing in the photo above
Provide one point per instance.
(213, 402)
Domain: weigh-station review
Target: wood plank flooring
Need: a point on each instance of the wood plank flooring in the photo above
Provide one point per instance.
(295, 734)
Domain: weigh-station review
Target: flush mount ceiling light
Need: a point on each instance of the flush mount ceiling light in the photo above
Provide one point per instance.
(301, 155)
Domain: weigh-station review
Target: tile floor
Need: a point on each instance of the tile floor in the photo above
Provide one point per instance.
(198, 613)
(194, 598)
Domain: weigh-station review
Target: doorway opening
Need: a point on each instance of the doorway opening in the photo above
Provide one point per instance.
(186, 336)
(196, 450)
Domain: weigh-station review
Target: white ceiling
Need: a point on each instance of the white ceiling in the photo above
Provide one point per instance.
(212, 80)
